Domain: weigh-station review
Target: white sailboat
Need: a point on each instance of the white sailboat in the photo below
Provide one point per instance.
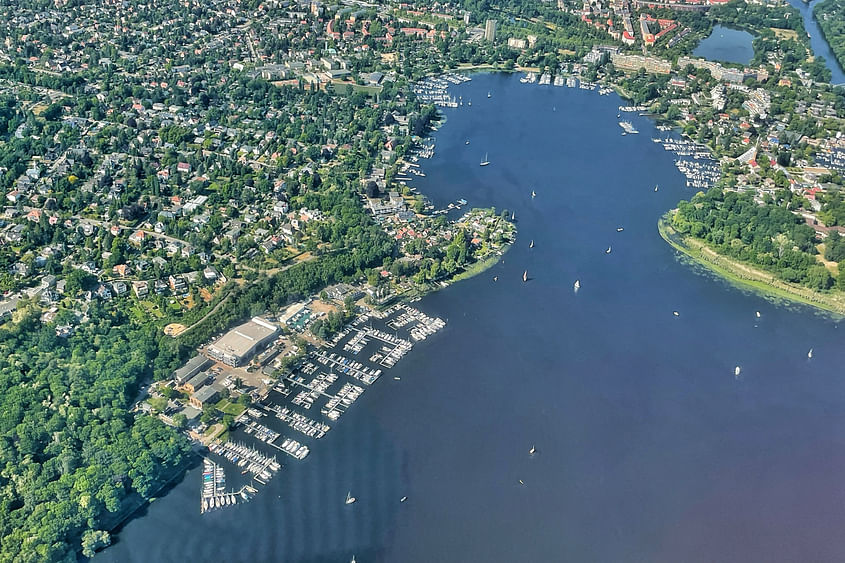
(608, 250)
(656, 187)
(532, 451)
(403, 499)
(513, 216)
(489, 95)
(810, 354)
(484, 162)
(577, 285)
(758, 314)
(619, 229)
(525, 276)
(467, 142)
(737, 371)
(532, 244)
(533, 194)
(495, 278)
(676, 313)
(349, 498)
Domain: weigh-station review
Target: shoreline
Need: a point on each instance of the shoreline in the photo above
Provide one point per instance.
(475, 269)
(746, 276)
(135, 502)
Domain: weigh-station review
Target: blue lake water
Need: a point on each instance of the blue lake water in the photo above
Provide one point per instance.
(817, 41)
(648, 447)
(727, 45)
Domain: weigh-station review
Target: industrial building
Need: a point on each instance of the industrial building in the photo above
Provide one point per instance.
(190, 369)
(239, 344)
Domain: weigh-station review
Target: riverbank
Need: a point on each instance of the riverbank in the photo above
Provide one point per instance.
(828, 12)
(746, 276)
(134, 502)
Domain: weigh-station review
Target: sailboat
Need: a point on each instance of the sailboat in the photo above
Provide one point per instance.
(403, 499)
(489, 95)
(758, 314)
(485, 162)
(533, 194)
(513, 216)
(677, 314)
(608, 250)
(577, 285)
(532, 451)
(520, 482)
(619, 229)
(495, 278)
(532, 244)
(467, 142)
(349, 498)
(737, 370)
(525, 276)
(655, 187)
(810, 354)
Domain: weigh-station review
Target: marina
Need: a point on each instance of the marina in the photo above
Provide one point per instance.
(331, 378)
(694, 161)
(214, 495)
(436, 89)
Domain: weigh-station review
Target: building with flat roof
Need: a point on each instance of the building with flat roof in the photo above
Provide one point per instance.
(490, 30)
(239, 344)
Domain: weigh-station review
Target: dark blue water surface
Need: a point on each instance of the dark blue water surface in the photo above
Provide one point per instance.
(648, 447)
(817, 41)
(727, 45)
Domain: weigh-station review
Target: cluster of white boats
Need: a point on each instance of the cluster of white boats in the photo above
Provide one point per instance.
(436, 89)
(249, 459)
(695, 162)
(348, 366)
(631, 109)
(560, 80)
(313, 389)
(628, 128)
(294, 448)
(300, 422)
(261, 432)
(356, 343)
(213, 494)
(344, 398)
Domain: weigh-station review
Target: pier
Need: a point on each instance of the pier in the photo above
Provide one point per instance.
(213, 494)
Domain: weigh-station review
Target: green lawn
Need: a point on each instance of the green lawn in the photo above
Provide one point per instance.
(228, 407)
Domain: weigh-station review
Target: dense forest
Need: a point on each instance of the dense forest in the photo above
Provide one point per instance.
(70, 449)
(831, 17)
(768, 236)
